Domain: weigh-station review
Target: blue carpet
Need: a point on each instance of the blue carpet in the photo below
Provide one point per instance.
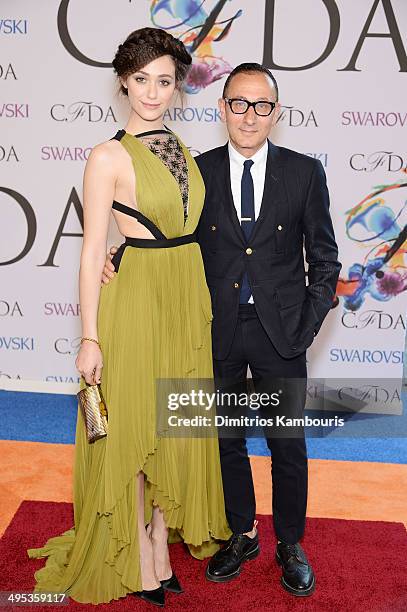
(388, 450)
(37, 417)
(45, 417)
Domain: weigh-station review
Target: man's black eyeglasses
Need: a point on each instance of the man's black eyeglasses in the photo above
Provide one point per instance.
(262, 108)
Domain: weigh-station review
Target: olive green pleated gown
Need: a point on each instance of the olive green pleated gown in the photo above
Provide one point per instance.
(154, 321)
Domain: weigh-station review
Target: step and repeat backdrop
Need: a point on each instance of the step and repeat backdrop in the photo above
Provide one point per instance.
(341, 68)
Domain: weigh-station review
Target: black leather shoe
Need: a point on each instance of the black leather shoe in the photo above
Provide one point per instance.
(155, 596)
(225, 564)
(172, 584)
(298, 577)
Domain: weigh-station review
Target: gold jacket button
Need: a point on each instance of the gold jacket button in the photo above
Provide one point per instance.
(249, 251)
(213, 227)
(236, 285)
(279, 227)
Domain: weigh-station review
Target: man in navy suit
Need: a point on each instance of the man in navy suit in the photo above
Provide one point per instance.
(264, 204)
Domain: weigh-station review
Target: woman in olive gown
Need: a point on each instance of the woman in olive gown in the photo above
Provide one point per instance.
(134, 490)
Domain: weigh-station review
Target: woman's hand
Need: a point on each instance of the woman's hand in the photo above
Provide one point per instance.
(89, 362)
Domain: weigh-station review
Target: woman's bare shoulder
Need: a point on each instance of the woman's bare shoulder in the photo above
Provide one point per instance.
(106, 153)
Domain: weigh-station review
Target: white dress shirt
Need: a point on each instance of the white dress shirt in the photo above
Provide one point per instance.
(258, 172)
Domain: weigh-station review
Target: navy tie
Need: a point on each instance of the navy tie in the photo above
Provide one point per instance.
(247, 220)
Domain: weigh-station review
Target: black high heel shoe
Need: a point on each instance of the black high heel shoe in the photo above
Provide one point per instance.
(154, 596)
(171, 584)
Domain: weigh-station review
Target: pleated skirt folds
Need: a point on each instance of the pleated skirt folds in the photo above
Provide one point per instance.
(154, 322)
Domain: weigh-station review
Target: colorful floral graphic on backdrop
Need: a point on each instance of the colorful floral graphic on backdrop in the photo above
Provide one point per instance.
(383, 272)
(200, 30)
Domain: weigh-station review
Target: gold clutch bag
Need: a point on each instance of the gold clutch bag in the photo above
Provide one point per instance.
(94, 412)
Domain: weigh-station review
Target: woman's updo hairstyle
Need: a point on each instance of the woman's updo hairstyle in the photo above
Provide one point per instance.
(145, 45)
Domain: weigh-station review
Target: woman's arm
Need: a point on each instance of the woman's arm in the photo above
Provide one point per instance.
(98, 194)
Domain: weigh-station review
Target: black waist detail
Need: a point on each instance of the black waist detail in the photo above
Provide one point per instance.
(151, 243)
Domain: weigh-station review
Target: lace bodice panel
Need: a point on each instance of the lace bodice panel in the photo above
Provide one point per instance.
(166, 146)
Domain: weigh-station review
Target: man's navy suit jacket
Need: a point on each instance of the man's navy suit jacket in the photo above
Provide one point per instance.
(294, 215)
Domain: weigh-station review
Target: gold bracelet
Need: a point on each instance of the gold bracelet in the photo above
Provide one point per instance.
(90, 340)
